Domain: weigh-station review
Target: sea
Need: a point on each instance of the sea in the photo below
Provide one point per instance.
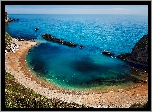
(74, 67)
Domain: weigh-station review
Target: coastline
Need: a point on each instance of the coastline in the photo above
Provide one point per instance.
(15, 63)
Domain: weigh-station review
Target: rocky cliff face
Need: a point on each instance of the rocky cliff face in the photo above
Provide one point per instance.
(140, 51)
(9, 19)
(6, 17)
(139, 55)
(10, 43)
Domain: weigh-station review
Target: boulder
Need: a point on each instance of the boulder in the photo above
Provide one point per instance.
(107, 53)
(36, 29)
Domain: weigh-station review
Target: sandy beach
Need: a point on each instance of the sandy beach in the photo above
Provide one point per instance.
(15, 63)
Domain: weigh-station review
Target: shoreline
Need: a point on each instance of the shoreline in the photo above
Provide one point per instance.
(15, 63)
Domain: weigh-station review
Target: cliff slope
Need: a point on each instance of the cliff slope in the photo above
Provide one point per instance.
(140, 51)
(139, 55)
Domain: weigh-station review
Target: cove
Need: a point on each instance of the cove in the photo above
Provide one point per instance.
(75, 68)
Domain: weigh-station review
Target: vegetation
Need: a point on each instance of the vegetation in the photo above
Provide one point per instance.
(139, 105)
(18, 96)
(8, 40)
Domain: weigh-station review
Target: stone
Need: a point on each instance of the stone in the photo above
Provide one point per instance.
(107, 53)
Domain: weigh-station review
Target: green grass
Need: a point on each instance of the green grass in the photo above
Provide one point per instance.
(18, 96)
(137, 105)
(8, 40)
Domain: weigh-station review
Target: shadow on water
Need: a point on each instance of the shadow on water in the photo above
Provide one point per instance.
(38, 67)
(80, 70)
(46, 48)
(120, 79)
(100, 74)
(38, 55)
(85, 65)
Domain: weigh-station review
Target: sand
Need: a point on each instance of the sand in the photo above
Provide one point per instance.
(15, 63)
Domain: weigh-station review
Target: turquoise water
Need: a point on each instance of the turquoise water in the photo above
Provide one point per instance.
(74, 67)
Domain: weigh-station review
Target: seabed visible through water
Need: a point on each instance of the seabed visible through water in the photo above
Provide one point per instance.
(78, 69)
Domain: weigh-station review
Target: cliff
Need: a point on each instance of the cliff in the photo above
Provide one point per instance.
(10, 43)
(9, 19)
(6, 17)
(140, 51)
(139, 55)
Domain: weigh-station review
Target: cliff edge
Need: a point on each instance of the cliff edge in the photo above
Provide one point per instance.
(140, 51)
(7, 19)
(139, 55)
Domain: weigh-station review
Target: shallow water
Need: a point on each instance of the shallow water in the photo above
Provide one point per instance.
(77, 68)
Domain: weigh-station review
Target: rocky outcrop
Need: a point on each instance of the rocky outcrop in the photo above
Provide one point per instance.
(124, 56)
(139, 55)
(49, 37)
(10, 43)
(108, 53)
(6, 17)
(9, 19)
(140, 51)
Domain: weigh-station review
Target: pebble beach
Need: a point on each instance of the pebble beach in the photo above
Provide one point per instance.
(15, 63)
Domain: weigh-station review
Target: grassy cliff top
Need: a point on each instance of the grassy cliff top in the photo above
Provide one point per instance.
(18, 96)
(8, 39)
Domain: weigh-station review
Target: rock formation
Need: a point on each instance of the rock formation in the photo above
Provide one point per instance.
(6, 17)
(9, 19)
(49, 37)
(139, 55)
(140, 51)
(10, 43)
(108, 53)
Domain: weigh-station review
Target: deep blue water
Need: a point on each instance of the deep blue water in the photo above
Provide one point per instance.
(75, 67)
